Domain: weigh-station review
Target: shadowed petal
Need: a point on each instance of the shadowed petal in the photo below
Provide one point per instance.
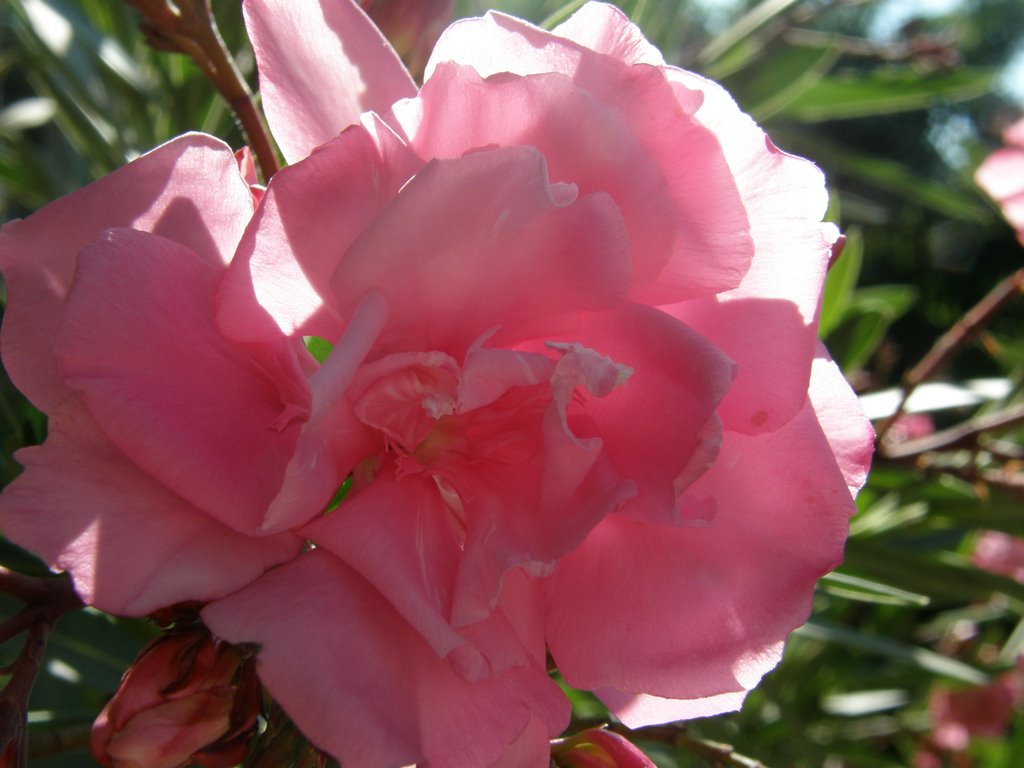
(659, 428)
(215, 421)
(378, 694)
(188, 190)
(718, 600)
(130, 545)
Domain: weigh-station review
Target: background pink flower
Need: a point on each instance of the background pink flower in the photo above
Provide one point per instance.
(983, 711)
(1002, 177)
(1000, 553)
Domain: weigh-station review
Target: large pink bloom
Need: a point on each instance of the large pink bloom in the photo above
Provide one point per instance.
(1001, 175)
(572, 294)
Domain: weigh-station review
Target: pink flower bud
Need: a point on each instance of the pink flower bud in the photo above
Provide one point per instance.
(598, 748)
(188, 699)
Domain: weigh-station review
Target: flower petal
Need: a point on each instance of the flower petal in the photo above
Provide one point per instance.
(583, 141)
(660, 116)
(411, 559)
(279, 281)
(747, 581)
(525, 487)
(784, 196)
(322, 63)
(1001, 176)
(656, 427)
(130, 545)
(482, 241)
(773, 348)
(849, 433)
(214, 421)
(378, 694)
(636, 710)
(188, 190)
(773, 335)
(606, 29)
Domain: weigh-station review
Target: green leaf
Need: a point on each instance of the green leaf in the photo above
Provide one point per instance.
(318, 348)
(868, 315)
(773, 81)
(921, 658)
(562, 13)
(885, 91)
(997, 511)
(890, 301)
(943, 576)
(744, 27)
(866, 591)
(886, 515)
(841, 281)
(895, 177)
(26, 113)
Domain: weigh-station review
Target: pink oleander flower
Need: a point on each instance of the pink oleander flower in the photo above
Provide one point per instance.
(188, 699)
(1000, 553)
(910, 426)
(1001, 175)
(983, 711)
(570, 295)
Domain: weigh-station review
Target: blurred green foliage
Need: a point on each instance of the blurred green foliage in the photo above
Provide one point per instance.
(898, 122)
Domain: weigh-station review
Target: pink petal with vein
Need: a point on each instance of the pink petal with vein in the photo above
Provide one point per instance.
(660, 119)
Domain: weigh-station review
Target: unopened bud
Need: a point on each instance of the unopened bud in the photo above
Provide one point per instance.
(188, 699)
(598, 748)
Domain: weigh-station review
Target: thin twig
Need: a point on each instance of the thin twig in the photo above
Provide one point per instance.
(964, 434)
(190, 28)
(47, 599)
(965, 329)
(715, 753)
(1012, 482)
(25, 588)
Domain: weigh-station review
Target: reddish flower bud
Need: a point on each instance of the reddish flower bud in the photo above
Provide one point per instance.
(188, 699)
(598, 748)
(412, 27)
